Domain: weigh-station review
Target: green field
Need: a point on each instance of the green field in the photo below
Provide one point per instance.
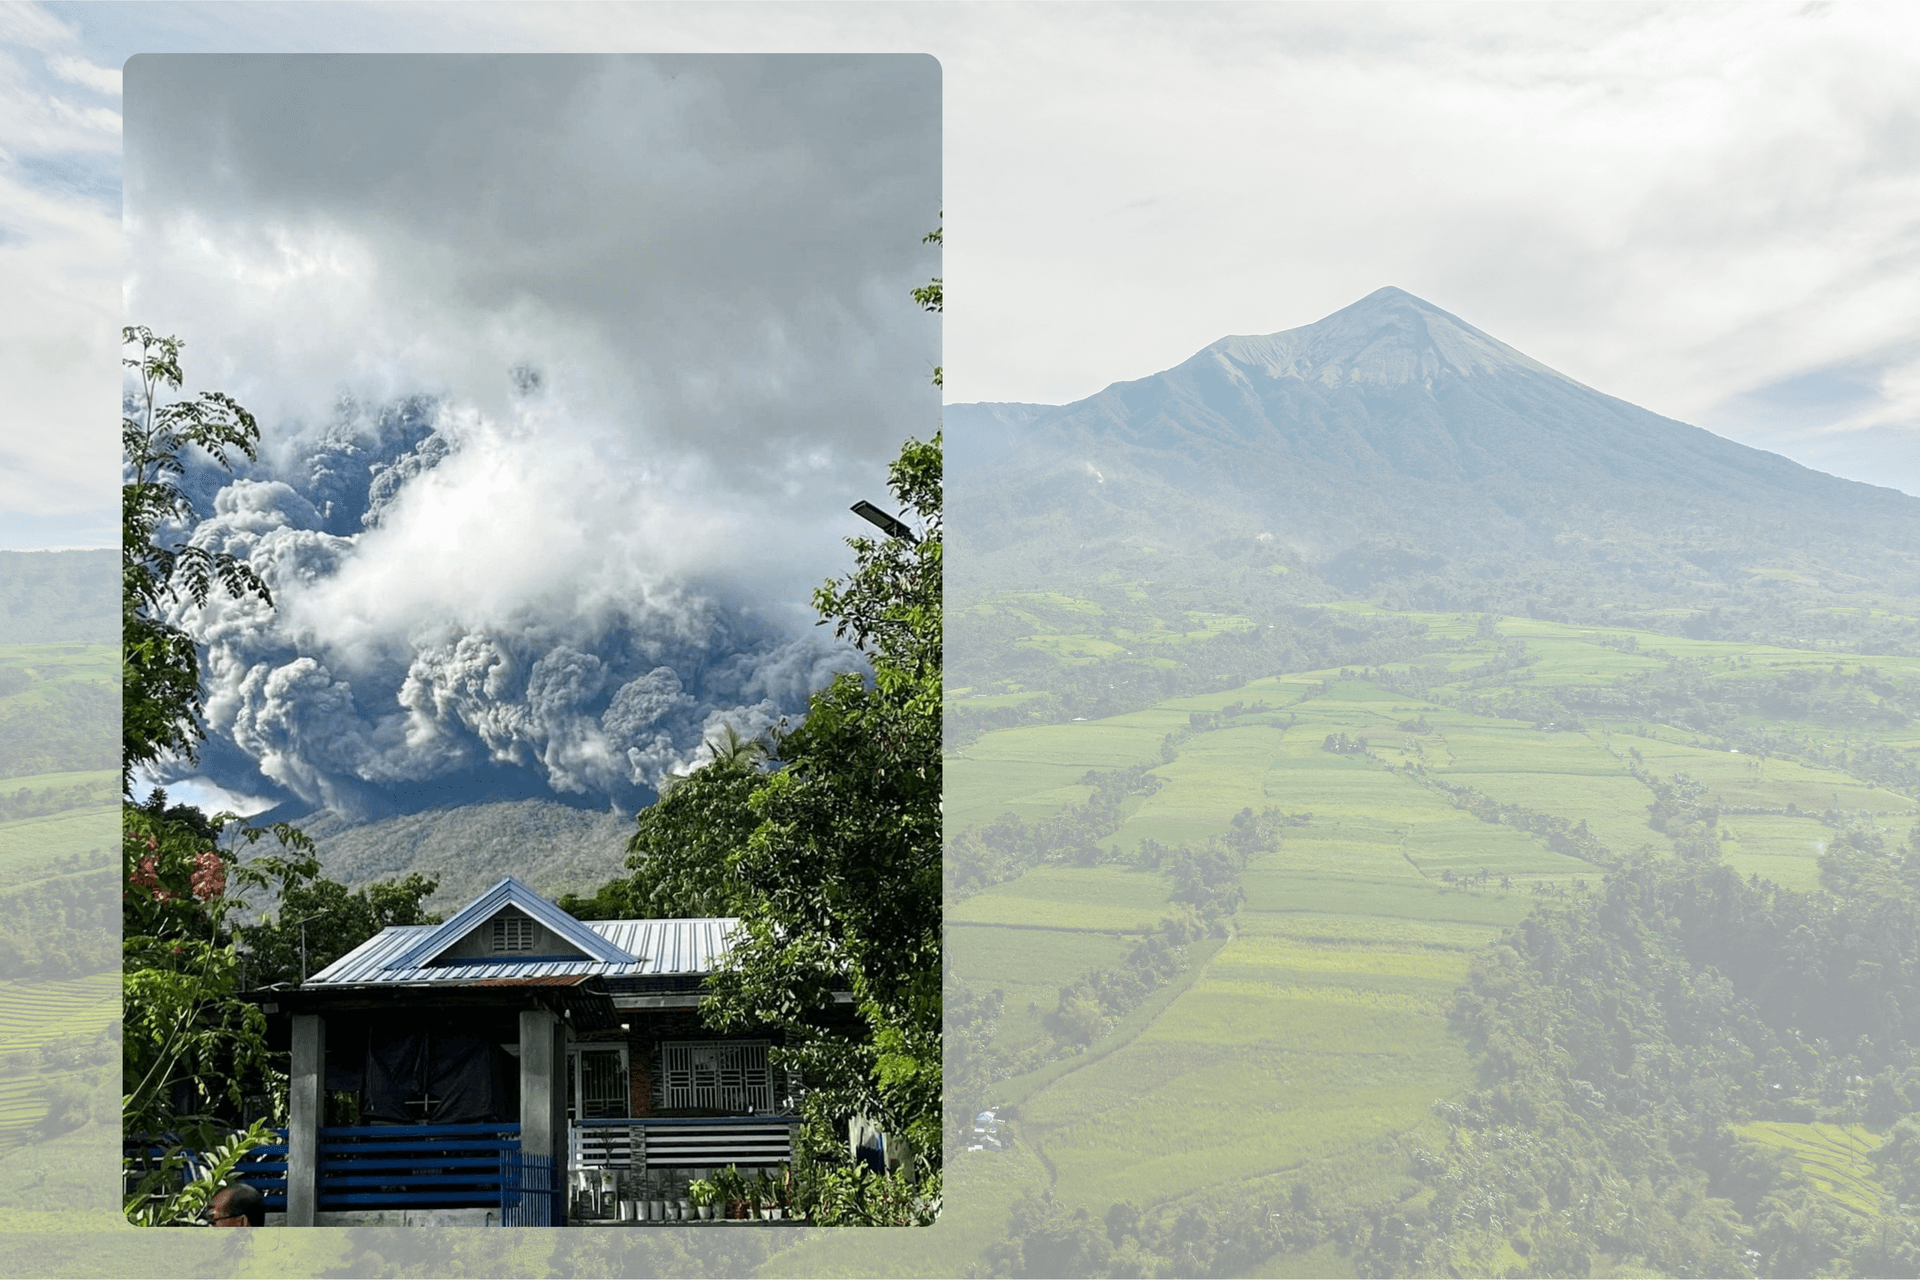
(1781, 849)
(1095, 899)
(1281, 1057)
(1741, 781)
(1315, 1038)
(28, 843)
(54, 663)
(1028, 967)
(1035, 772)
(1320, 1028)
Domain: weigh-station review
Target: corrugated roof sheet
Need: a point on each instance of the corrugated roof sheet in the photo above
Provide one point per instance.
(659, 947)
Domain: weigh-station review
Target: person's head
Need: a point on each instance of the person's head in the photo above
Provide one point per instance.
(238, 1205)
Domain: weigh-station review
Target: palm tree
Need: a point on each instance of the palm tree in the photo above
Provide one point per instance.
(730, 748)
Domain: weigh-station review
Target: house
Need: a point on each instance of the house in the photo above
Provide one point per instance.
(490, 1054)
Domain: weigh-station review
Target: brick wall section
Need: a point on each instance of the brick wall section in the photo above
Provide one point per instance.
(640, 1074)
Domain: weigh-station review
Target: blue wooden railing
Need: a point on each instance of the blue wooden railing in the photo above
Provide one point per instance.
(265, 1167)
(425, 1166)
(384, 1166)
(414, 1166)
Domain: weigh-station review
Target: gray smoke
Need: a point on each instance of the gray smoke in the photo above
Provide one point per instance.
(518, 595)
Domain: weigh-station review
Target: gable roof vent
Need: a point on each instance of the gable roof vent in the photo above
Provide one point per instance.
(508, 892)
(512, 933)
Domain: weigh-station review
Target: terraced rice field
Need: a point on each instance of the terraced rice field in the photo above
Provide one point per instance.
(1281, 1057)
(1834, 1157)
(1741, 781)
(1781, 849)
(1320, 1027)
(1035, 772)
(1088, 899)
(32, 1013)
(22, 1104)
(1029, 966)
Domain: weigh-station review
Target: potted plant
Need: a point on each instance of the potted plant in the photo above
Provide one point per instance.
(702, 1192)
(731, 1188)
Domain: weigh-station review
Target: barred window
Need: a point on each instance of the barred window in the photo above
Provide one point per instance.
(718, 1075)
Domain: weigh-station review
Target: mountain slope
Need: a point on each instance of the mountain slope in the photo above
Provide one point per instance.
(1413, 443)
(552, 847)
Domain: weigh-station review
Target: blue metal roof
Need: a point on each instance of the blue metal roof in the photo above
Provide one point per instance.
(653, 948)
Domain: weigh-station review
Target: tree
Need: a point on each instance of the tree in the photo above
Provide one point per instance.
(160, 663)
(825, 842)
(684, 851)
(190, 1045)
(320, 921)
(839, 883)
(932, 296)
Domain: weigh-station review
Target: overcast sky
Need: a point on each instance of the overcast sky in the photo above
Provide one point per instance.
(1705, 209)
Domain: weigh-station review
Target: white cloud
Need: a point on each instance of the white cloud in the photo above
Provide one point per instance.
(99, 119)
(1680, 205)
(81, 72)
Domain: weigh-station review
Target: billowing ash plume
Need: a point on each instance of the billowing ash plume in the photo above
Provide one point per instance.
(459, 600)
(568, 370)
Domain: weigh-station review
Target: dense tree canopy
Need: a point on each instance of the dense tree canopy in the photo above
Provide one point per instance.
(192, 1050)
(841, 876)
(826, 844)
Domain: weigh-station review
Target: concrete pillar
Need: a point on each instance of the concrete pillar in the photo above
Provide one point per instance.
(543, 1086)
(306, 1101)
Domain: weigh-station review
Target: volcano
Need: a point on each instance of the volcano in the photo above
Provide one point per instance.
(1393, 441)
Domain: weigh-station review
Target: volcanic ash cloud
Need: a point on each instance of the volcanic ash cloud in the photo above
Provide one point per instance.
(451, 593)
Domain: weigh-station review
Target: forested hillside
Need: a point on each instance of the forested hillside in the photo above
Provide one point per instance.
(551, 846)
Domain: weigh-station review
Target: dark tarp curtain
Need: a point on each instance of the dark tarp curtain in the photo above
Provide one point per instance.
(429, 1075)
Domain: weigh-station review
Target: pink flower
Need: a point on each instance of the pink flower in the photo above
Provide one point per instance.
(147, 876)
(209, 876)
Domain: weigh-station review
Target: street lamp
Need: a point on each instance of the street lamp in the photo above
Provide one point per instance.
(894, 526)
(302, 922)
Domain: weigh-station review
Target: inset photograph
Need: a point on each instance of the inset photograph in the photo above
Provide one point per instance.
(531, 585)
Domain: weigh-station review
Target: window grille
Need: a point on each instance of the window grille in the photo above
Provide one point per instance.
(597, 1083)
(718, 1075)
(512, 933)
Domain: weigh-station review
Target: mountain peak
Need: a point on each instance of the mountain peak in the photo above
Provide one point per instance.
(1388, 338)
